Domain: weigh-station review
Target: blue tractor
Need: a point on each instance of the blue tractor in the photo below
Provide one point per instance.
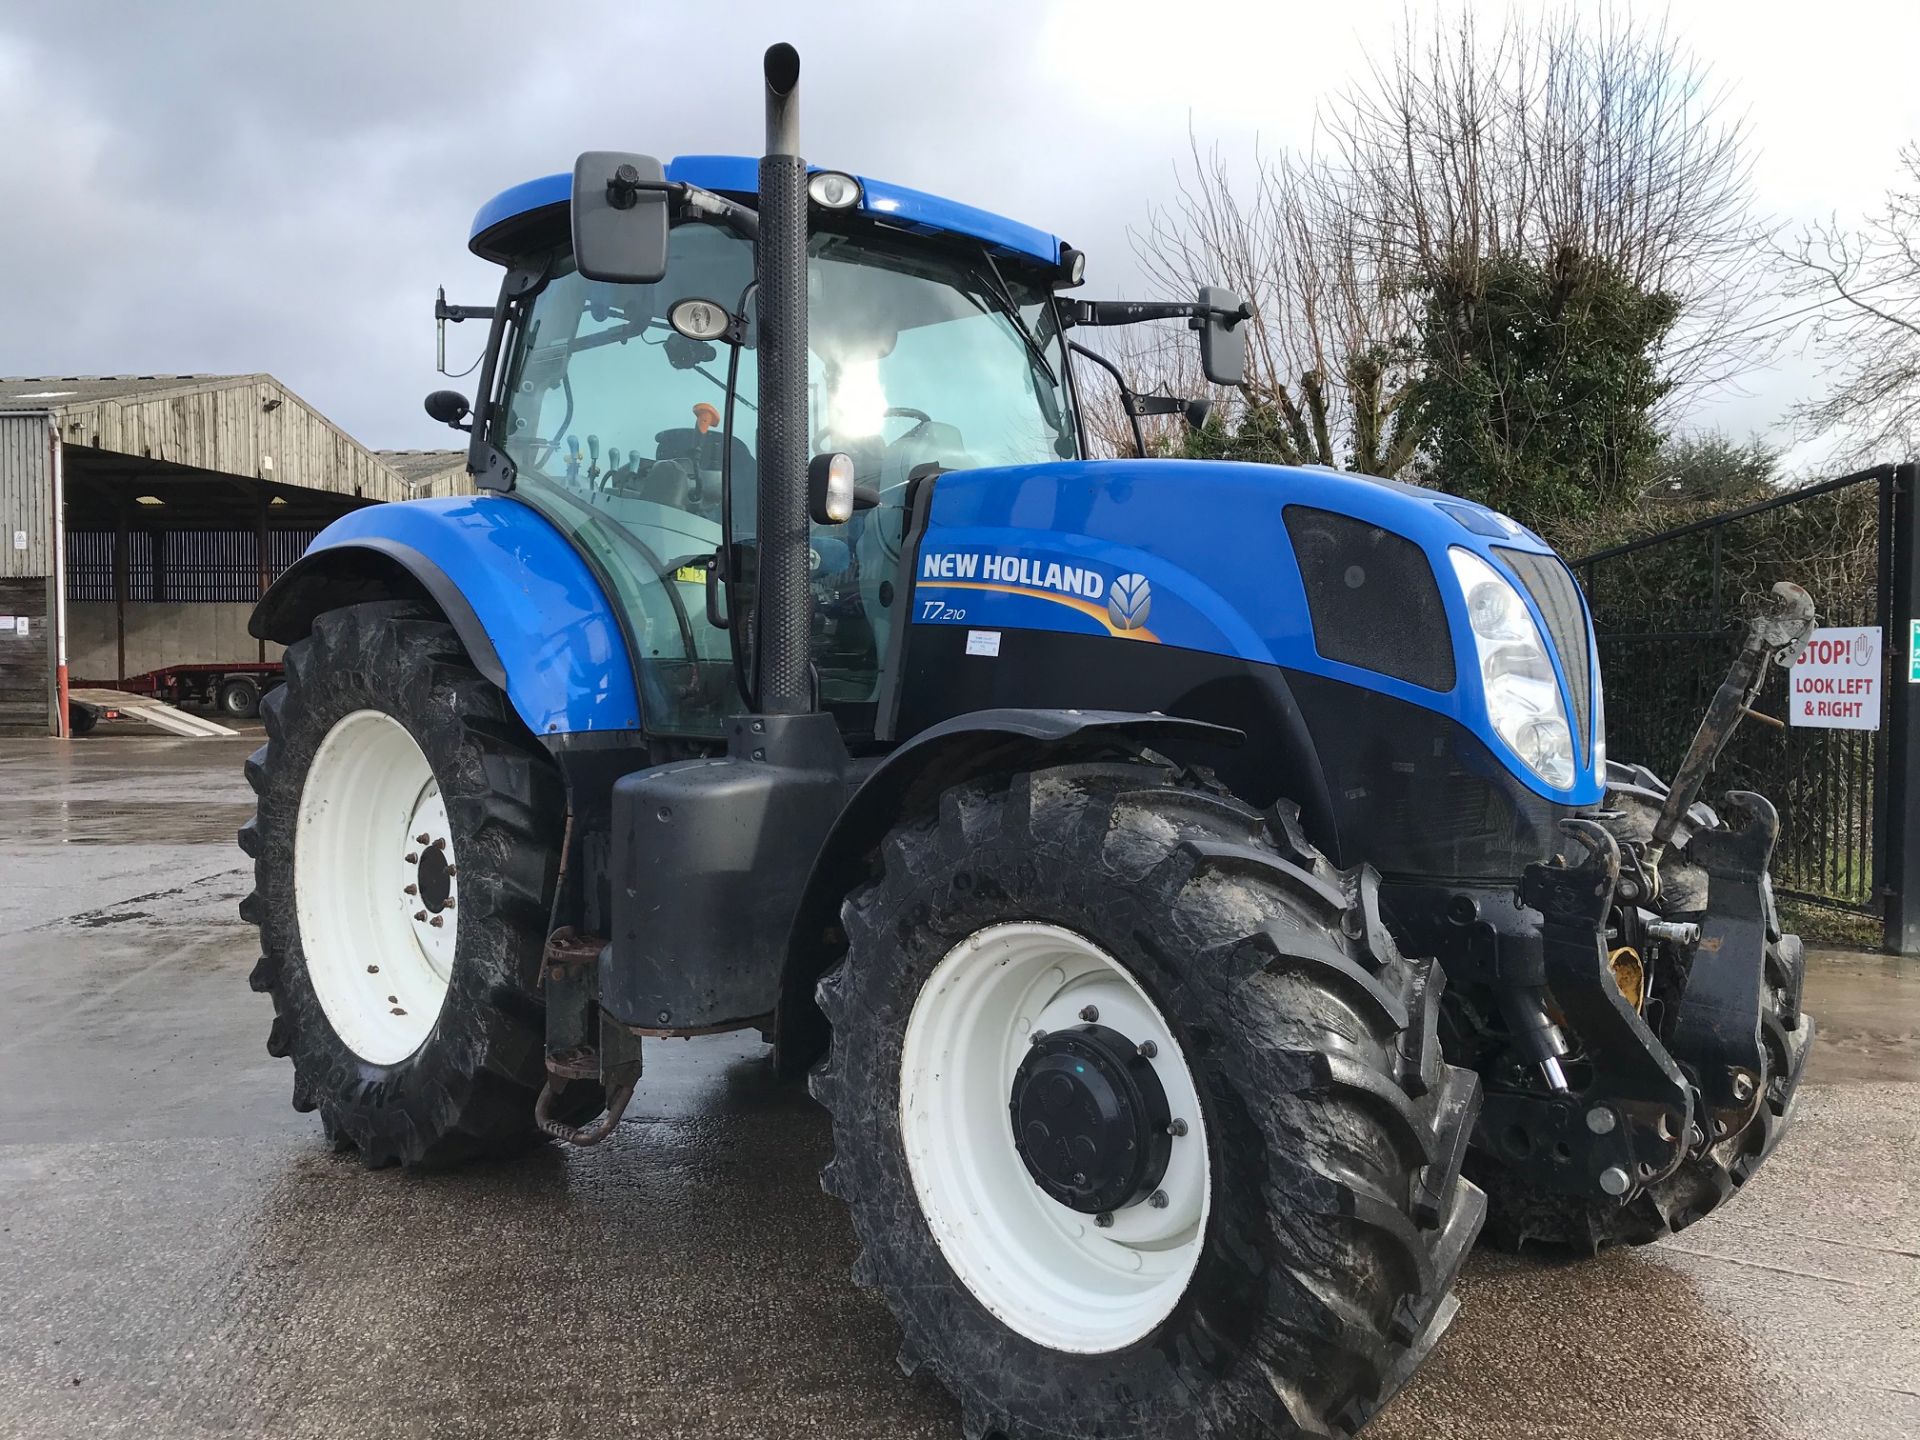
(1198, 891)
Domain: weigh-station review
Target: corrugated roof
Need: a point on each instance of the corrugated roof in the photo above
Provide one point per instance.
(53, 392)
(250, 426)
(417, 465)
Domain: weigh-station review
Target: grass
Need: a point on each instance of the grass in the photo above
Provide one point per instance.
(1833, 929)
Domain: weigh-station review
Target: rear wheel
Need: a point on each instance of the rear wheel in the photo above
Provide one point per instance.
(1140, 1115)
(404, 849)
(240, 698)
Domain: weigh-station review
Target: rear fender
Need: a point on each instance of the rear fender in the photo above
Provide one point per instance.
(909, 781)
(531, 614)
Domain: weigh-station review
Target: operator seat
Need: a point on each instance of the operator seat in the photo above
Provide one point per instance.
(696, 454)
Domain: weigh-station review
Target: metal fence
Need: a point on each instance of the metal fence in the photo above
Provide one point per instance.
(1667, 613)
(181, 566)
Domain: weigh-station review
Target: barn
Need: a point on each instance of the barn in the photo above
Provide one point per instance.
(142, 515)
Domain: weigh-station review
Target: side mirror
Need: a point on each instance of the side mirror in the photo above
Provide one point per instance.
(449, 407)
(1223, 339)
(619, 217)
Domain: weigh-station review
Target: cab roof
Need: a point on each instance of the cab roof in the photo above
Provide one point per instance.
(501, 221)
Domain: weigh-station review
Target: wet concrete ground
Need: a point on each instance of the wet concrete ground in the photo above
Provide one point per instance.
(181, 1254)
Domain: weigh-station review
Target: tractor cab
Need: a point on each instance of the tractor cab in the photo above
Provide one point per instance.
(627, 414)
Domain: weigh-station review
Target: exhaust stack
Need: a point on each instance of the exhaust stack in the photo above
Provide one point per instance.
(784, 601)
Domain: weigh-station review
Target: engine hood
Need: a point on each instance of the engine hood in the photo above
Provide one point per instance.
(1198, 554)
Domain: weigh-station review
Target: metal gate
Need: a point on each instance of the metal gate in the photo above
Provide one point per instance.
(1667, 613)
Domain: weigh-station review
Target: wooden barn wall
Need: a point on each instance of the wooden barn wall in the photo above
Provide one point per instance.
(24, 703)
(26, 497)
(230, 430)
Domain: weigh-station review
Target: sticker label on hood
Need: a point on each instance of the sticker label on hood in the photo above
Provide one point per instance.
(1119, 603)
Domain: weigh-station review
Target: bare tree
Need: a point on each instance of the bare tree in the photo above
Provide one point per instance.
(1866, 324)
(1595, 138)
(1329, 348)
(1556, 137)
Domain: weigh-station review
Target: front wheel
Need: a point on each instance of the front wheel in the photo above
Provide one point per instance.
(1141, 1116)
(404, 849)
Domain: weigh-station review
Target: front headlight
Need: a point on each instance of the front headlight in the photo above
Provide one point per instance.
(1599, 726)
(1523, 697)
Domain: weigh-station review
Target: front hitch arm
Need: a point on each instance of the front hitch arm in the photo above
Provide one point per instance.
(1716, 1029)
(1637, 1134)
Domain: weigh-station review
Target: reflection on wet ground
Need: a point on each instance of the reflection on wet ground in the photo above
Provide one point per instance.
(184, 1256)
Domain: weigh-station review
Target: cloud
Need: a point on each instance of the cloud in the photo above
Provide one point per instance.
(235, 186)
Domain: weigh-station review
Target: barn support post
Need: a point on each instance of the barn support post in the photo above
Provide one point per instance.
(1900, 798)
(261, 500)
(120, 590)
(57, 606)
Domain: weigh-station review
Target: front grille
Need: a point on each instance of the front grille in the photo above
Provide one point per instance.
(1555, 592)
(1371, 597)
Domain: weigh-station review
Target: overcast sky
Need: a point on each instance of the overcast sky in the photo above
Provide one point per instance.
(232, 187)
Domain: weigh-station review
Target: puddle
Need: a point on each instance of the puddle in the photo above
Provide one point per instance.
(121, 822)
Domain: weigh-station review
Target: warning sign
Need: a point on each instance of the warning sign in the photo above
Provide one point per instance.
(1835, 682)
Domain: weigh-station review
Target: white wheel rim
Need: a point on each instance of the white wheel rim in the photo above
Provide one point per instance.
(379, 951)
(1051, 1273)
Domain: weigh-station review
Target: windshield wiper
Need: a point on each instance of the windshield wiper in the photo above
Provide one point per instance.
(998, 291)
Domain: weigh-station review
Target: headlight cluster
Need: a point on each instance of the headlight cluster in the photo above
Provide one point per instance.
(1523, 696)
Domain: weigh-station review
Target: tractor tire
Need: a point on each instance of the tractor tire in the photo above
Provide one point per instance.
(1520, 1214)
(1294, 1260)
(404, 971)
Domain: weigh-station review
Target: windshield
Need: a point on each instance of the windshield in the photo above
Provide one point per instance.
(617, 427)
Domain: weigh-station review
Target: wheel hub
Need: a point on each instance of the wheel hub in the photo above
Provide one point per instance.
(1090, 1119)
(434, 877)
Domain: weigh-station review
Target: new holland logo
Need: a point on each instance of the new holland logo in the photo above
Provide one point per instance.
(1129, 602)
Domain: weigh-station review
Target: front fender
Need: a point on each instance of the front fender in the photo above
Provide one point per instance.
(531, 614)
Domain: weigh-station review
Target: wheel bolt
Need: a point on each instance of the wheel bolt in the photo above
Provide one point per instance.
(440, 844)
(437, 921)
(1158, 1200)
(419, 914)
(451, 872)
(1177, 1128)
(412, 859)
(411, 890)
(1743, 1087)
(1036, 1037)
(1090, 1013)
(449, 903)
(1148, 1049)
(1104, 1220)
(423, 837)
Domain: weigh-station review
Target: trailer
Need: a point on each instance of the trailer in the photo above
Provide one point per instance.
(233, 689)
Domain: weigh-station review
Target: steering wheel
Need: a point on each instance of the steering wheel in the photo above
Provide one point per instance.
(907, 412)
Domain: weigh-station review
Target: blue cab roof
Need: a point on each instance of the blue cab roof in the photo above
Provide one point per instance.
(740, 175)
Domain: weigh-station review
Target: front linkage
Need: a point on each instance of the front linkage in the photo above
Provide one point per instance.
(1634, 1011)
